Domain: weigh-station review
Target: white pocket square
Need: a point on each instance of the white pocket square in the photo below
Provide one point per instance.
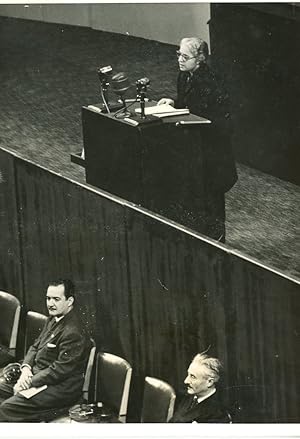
(51, 345)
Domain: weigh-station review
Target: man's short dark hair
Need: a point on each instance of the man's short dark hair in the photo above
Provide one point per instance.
(68, 286)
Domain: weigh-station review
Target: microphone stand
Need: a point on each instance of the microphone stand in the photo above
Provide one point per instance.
(103, 75)
(124, 103)
(103, 91)
(123, 112)
(142, 95)
(141, 89)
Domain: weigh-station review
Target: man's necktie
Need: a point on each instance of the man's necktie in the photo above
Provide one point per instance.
(51, 326)
(194, 402)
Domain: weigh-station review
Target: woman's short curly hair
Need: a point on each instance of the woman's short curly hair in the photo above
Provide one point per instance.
(197, 46)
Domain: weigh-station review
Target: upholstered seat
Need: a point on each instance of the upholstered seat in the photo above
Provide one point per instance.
(33, 326)
(9, 324)
(158, 401)
(113, 377)
(35, 322)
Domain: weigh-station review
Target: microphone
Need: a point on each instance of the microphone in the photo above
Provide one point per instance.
(143, 82)
(120, 84)
(103, 74)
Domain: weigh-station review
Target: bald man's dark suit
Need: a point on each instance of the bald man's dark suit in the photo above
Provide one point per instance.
(209, 410)
(58, 359)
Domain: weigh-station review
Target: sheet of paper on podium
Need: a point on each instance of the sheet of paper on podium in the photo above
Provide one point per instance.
(163, 110)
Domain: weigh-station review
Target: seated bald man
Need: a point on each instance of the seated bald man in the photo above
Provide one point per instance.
(57, 359)
(202, 403)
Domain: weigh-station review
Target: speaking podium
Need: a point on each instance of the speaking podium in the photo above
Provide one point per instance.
(156, 165)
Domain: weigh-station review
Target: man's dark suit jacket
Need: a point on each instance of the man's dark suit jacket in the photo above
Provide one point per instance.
(58, 359)
(205, 96)
(59, 353)
(209, 410)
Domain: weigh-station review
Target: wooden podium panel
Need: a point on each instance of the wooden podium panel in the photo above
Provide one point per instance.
(156, 165)
(112, 155)
(172, 169)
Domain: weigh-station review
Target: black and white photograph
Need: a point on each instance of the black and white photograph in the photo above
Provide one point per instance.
(150, 218)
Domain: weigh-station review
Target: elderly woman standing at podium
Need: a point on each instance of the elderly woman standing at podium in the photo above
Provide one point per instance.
(199, 89)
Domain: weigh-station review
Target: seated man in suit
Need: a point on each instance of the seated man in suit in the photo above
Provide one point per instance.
(57, 359)
(201, 404)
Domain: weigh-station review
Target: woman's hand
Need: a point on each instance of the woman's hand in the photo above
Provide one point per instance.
(165, 101)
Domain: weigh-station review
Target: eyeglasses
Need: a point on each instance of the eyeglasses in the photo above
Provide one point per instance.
(184, 57)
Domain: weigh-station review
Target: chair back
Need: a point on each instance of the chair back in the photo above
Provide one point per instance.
(158, 402)
(113, 377)
(10, 309)
(35, 322)
(88, 371)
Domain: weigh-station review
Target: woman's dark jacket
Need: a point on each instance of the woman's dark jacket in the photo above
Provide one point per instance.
(204, 95)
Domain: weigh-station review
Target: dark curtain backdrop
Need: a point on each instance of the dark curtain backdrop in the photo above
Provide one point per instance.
(178, 288)
(10, 257)
(69, 231)
(265, 342)
(151, 293)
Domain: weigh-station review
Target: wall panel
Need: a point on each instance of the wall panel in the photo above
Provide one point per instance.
(28, 11)
(75, 14)
(165, 22)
